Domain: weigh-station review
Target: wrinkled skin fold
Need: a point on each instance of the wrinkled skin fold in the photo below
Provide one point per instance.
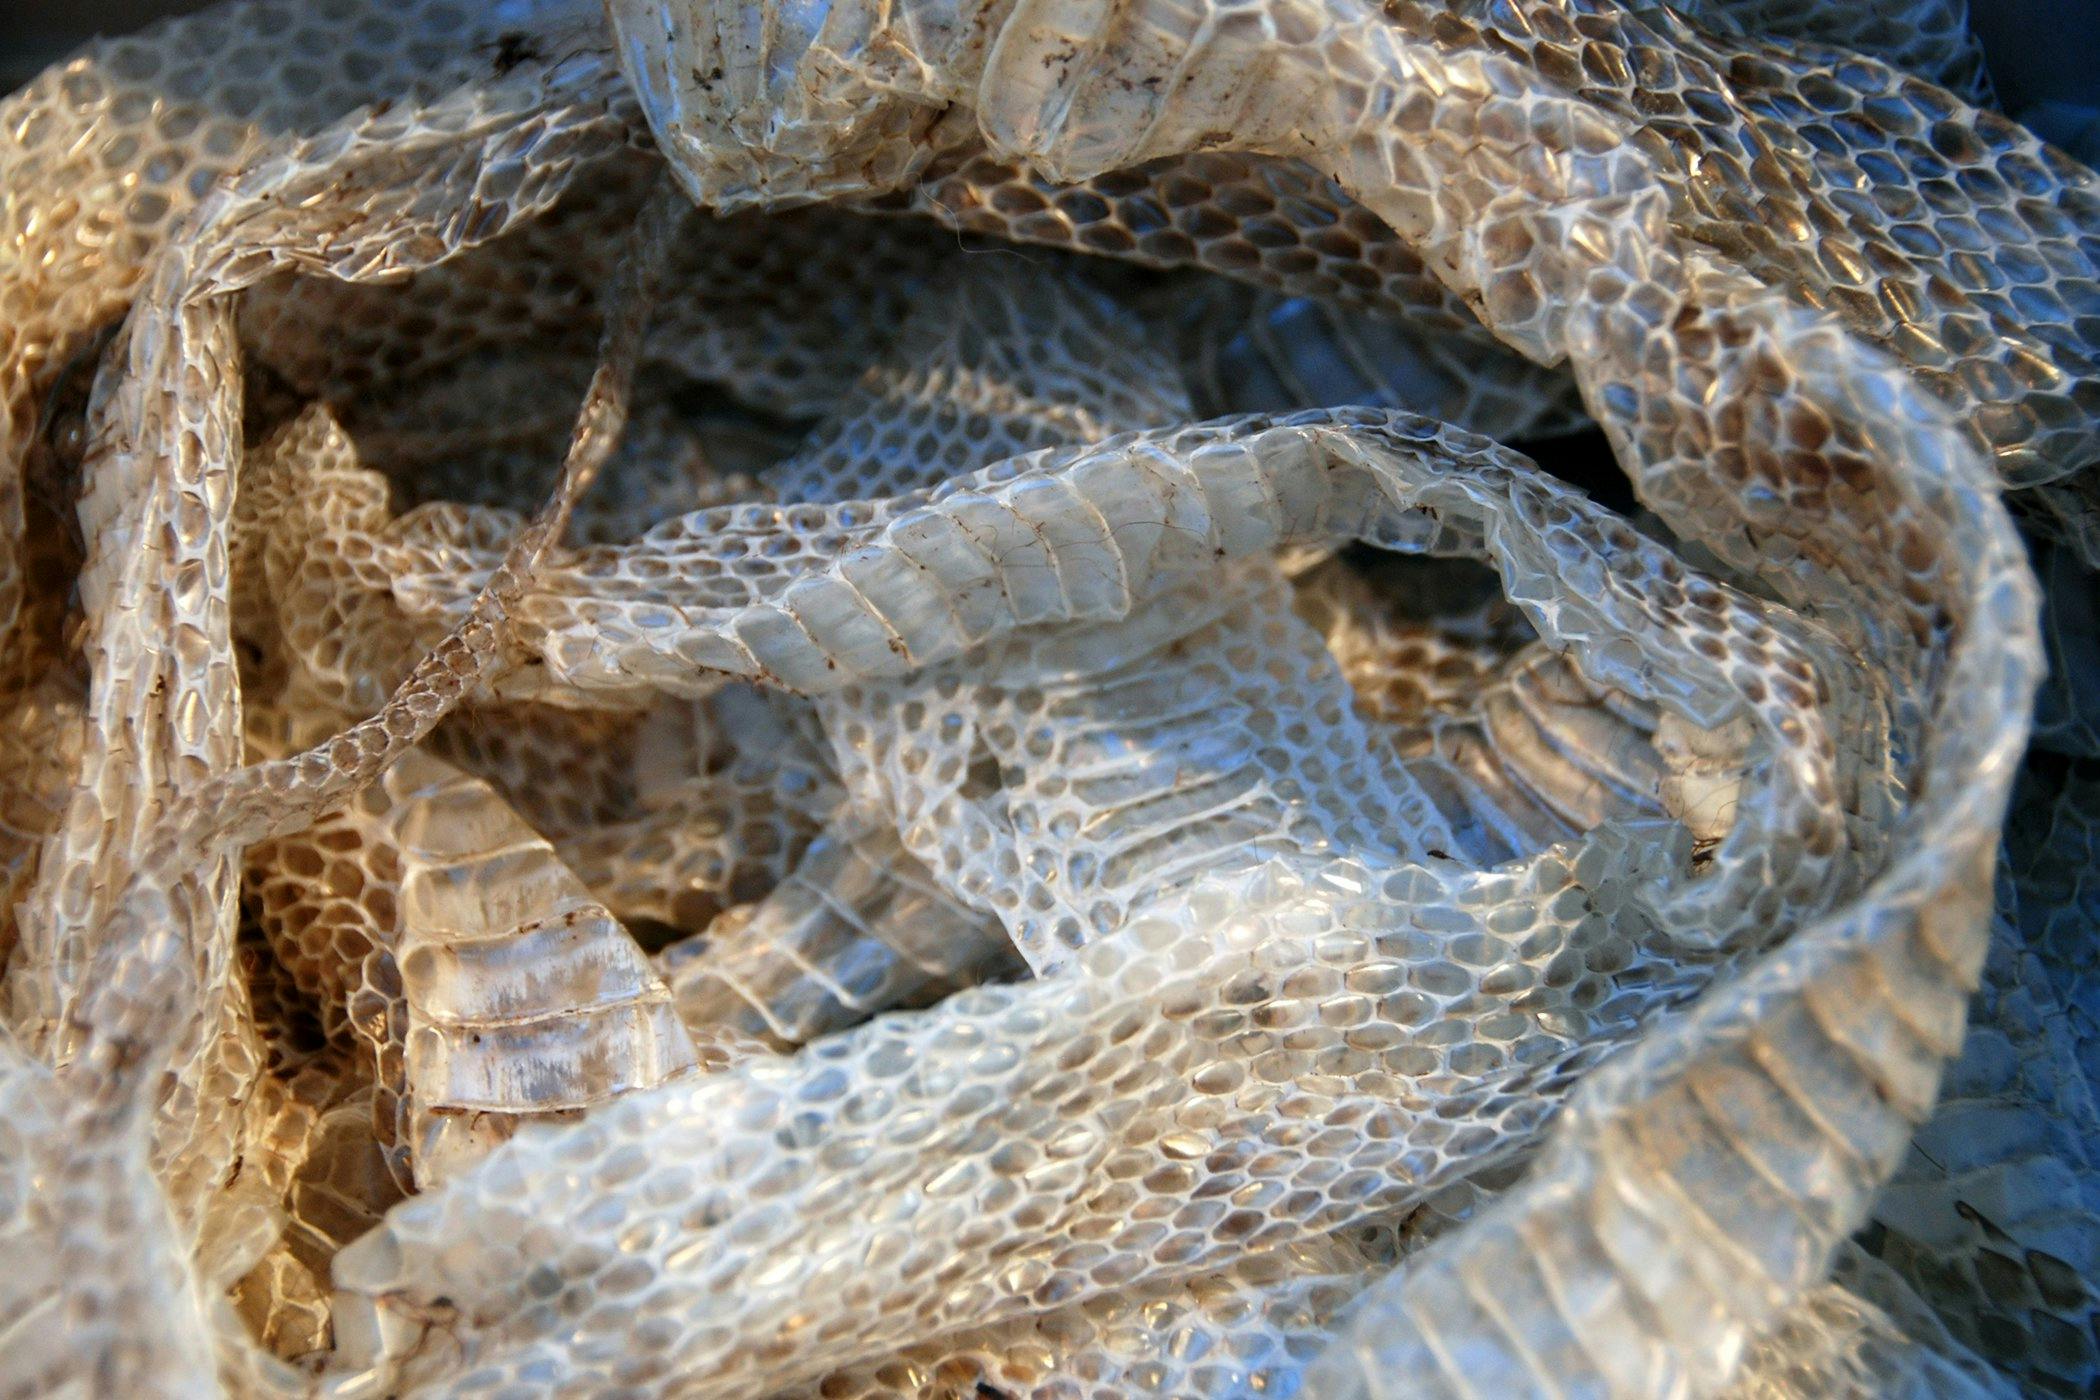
(922, 700)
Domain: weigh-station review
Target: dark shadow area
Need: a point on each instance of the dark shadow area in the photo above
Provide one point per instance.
(37, 33)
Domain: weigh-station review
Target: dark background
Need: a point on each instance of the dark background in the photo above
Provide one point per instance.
(34, 33)
(2044, 55)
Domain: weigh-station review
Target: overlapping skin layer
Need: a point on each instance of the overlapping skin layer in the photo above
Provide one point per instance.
(722, 700)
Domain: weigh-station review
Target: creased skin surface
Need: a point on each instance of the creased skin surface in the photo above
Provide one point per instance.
(914, 700)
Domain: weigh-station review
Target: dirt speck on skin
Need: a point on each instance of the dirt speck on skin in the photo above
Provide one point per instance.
(513, 48)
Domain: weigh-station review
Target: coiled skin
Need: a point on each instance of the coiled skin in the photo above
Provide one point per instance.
(1049, 802)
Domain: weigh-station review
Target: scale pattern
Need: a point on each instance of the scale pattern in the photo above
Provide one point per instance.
(859, 700)
(473, 1013)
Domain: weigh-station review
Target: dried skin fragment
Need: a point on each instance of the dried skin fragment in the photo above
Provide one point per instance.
(485, 982)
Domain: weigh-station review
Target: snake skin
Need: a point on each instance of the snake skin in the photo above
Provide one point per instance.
(933, 700)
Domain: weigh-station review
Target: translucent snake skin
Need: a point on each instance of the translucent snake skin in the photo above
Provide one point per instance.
(922, 699)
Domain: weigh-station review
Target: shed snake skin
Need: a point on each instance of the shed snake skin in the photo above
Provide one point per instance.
(886, 700)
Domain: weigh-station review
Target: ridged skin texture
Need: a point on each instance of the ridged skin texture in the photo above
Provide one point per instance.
(943, 700)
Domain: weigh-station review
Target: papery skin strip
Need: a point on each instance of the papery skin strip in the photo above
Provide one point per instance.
(141, 992)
